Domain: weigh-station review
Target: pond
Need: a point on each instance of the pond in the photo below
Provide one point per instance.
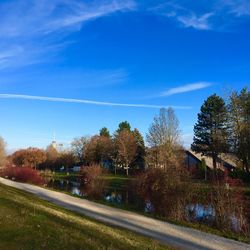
(107, 193)
(124, 196)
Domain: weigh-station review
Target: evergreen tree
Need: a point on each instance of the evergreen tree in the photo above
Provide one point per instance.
(123, 126)
(239, 120)
(104, 132)
(210, 131)
(140, 150)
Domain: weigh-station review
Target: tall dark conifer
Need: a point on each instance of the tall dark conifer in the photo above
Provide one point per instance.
(140, 151)
(104, 132)
(123, 126)
(210, 131)
(239, 121)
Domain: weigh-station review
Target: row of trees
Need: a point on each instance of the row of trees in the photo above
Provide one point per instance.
(39, 158)
(224, 127)
(124, 149)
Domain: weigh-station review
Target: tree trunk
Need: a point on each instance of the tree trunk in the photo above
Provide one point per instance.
(127, 170)
(205, 173)
(214, 166)
(245, 166)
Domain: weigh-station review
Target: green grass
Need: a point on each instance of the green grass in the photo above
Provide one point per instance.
(117, 181)
(27, 222)
(59, 175)
(247, 191)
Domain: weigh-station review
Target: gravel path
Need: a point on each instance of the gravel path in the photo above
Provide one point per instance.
(169, 234)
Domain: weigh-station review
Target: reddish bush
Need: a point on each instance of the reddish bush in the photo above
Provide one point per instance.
(230, 208)
(92, 185)
(22, 174)
(90, 173)
(232, 182)
(167, 190)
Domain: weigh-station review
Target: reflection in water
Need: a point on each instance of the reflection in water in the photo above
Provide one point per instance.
(114, 197)
(200, 212)
(99, 190)
(149, 207)
(76, 191)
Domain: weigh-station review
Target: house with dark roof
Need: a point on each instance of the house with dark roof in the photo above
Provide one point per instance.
(225, 161)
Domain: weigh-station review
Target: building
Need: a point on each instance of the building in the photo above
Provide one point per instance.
(58, 146)
(225, 161)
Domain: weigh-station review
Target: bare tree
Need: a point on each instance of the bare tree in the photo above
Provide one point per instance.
(78, 146)
(163, 139)
(2, 152)
(126, 148)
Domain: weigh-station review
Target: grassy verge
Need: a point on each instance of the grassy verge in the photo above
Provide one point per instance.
(27, 222)
(59, 175)
(117, 181)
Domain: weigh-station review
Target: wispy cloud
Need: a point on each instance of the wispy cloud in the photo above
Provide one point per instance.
(28, 18)
(239, 8)
(83, 13)
(196, 22)
(186, 88)
(211, 15)
(31, 29)
(90, 102)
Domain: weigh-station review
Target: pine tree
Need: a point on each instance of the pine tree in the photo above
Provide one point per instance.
(123, 126)
(239, 120)
(104, 132)
(140, 151)
(210, 131)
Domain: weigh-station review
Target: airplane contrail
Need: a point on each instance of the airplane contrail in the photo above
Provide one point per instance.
(82, 101)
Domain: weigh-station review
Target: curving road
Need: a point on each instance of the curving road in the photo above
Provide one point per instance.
(177, 236)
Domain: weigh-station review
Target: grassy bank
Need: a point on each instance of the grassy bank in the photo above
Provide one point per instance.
(59, 175)
(27, 222)
(117, 181)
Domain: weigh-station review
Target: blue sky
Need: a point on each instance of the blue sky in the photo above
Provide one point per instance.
(74, 66)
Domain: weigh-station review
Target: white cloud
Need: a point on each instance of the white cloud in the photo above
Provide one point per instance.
(37, 28)
(31, 17)
(83, 13)
(196, 22)
(207, 15)
(186, 88)
(91, 102)
(239, 8)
